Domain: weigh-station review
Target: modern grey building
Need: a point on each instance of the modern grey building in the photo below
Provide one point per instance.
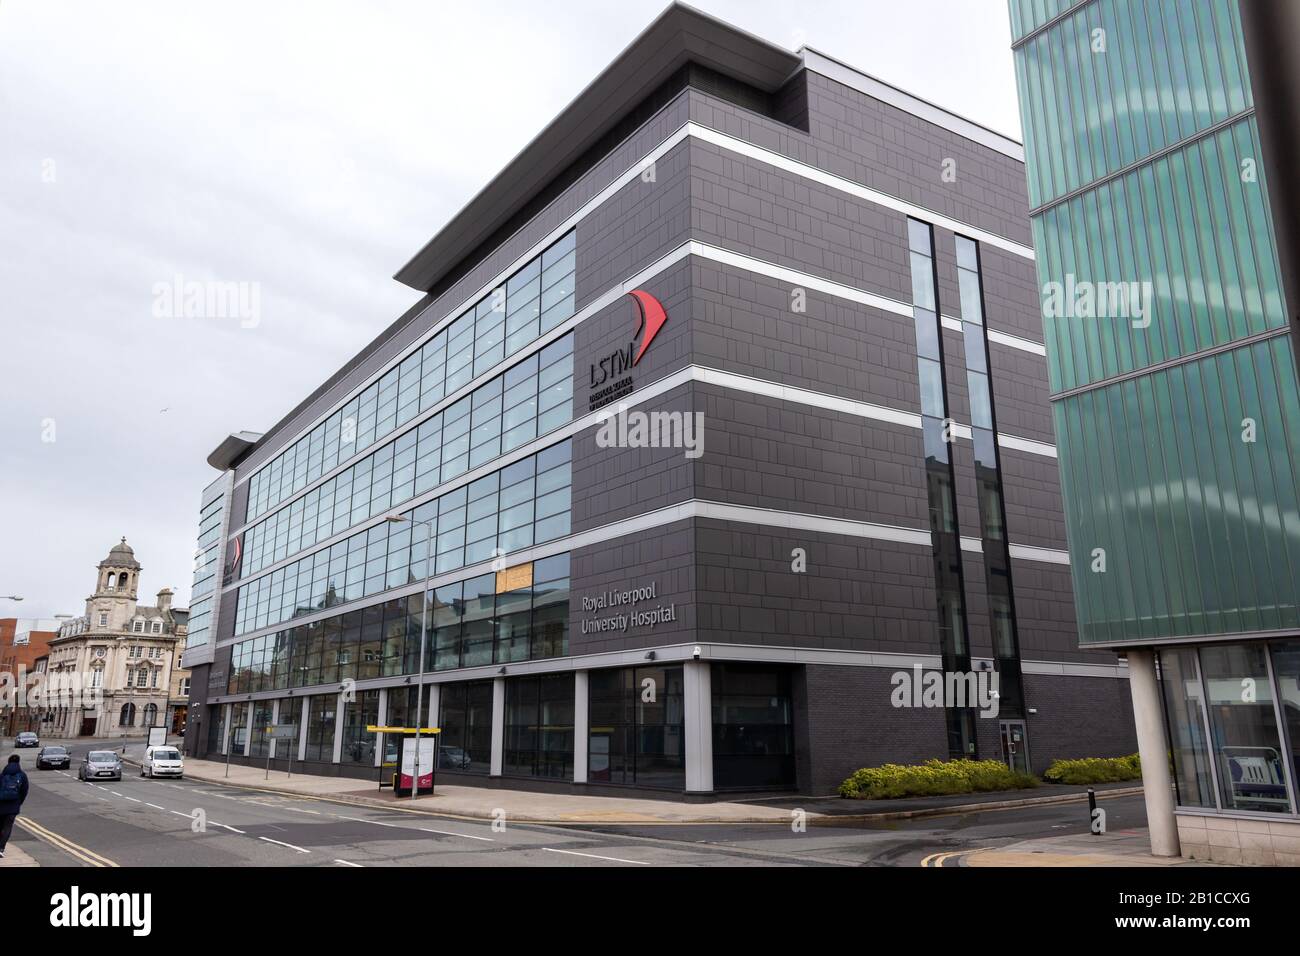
(724, 415)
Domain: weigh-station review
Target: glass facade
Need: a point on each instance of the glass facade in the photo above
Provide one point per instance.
(1118, 80)
(533, 301)
(988, 481)
(753, 727)
(523, 504)
(207, 567)
(529, 400)
(1175, 426)
(636, 735)
(470, 623)
(539, 726)
(936, 426)
(1233, 713)
(465, 721)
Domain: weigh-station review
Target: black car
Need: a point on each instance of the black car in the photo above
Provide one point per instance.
(27, 739)
(53, 758)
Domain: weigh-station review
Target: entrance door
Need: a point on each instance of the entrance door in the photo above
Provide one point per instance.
(1015, 745)
(88, 726)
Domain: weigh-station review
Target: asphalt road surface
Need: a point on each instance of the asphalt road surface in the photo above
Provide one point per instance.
(140, 822)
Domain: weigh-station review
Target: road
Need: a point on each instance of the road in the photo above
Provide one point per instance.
(139, 822)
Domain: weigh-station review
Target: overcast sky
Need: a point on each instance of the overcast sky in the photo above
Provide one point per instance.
(310, 149)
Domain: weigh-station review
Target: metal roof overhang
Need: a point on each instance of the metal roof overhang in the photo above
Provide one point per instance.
(679, 36)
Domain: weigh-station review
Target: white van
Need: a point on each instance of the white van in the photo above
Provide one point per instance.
(163, 761)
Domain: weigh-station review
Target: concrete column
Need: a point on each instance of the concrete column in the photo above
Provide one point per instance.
(1153, 749)
(699, 726)
(302, 728)
(275, 719)
(225, 729)
(248, 730)
(338, 729)
(433, 703)
(581, 725)
(498, 725)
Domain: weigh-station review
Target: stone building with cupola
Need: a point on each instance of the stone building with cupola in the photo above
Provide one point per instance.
(128, 652)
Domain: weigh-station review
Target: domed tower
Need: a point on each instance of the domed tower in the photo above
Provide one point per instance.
(119, 573)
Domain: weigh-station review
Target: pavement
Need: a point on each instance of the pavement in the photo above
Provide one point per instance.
(208, 819)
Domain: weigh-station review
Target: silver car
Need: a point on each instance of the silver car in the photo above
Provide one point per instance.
(100, 764)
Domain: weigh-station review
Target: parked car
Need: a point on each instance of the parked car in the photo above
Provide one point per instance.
(162, 762)
(100, 764)
(27, 739)
(51, 758)
(453, 758)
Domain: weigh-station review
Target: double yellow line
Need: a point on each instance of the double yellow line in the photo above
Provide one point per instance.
(938, 859)
(89, 857)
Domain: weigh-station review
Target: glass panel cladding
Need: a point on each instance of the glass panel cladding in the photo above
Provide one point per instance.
(940, 487)
(1184, 486)
(260, 744)
(1180, 683)
(753, 727)
(207, 558)
(988, 481)
(525, 503)
(321, 719)
(482, 620)
(200, 623)
(1286, 677)
(358, 714)
(530, 303)
(636, 735)
(1172, 258)
(1029, 15)
(1247, 746)
(528, 400)
(1119, 80)
(238, 729)
(465, 721)
(539, 726)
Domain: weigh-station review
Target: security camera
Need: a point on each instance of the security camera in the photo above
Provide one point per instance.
(696, 652)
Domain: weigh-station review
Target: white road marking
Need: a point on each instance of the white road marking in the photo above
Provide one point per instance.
(134, 800)
(226, 826)
(467, 836)
(612, 859)
(289, 845)
(297, 810)
(187, 816)
(155, 806)
(346, 863)
(114, 793)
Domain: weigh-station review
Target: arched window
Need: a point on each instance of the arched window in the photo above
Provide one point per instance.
(123, 581)
(127, 717)
(111, 578)
(150, 715)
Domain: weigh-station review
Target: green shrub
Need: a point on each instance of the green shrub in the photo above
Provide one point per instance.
(933, 778)
(1094, 770)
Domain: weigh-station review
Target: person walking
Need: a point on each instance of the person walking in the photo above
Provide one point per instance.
(13, 791)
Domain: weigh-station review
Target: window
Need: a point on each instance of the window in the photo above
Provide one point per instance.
(126, 717)
(157, 627)
(539, 726)
(137, 626)
(633, 741)
(465, 744)
(320, 727)
(359, 743)
(103, 619)
(753, 731)
(150, 715)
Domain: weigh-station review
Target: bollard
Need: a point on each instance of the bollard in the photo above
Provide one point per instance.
(1092, 812)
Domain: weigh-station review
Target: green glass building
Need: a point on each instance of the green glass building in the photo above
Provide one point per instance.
(1156, 135)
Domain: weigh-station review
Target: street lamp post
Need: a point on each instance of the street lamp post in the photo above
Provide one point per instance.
(424, 623)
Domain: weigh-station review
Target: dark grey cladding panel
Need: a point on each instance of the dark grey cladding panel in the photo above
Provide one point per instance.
(880, 146)
(1045, 614)
(1012, 302)
(1020, 391)
(763, 452)
(1031, 490)
(1078, 717)
(857, 594)
(663, 557)
(416, 324)
(744, 323)
(636, 226)
(845, 721)
(613, 484)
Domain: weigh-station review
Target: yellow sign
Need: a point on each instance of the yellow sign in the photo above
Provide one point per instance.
(512, 579)
(375, 729)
